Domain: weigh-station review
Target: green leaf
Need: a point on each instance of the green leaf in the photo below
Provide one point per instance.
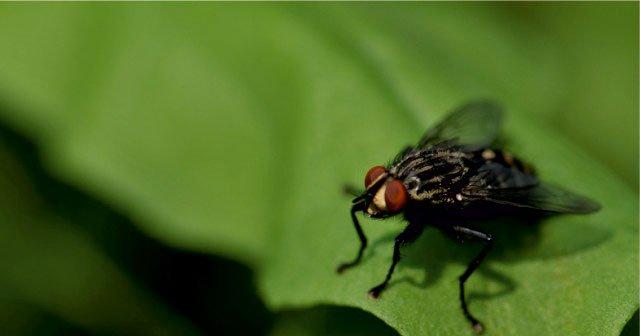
(532, 284)
(584, 113)
(230, 129)
(55, 277)
(325, 320)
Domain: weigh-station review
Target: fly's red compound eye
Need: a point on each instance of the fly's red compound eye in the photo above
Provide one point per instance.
(395, 196)
(373, 174)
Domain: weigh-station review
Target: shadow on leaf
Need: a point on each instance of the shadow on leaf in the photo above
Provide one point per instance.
(517, 239)
(329, 320)
(215, 294)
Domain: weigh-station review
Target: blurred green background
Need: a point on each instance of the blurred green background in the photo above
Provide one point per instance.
(176, 168)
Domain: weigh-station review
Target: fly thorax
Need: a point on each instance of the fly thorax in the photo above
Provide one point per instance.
(412, 183)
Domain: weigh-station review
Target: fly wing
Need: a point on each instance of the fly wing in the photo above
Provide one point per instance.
(545, 198)
(511, 187)
(475, 125)
(508, 185)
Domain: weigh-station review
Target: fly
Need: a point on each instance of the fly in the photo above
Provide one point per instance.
(454, 174)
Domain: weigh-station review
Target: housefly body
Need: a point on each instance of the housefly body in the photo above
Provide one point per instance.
(456, 172)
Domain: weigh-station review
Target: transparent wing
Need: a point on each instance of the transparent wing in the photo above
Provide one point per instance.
(474, 125)
(543, 197)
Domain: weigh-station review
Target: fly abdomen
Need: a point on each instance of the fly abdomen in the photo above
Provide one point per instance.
(506, 159)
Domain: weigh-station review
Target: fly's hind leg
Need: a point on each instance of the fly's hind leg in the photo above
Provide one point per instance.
(487, 240)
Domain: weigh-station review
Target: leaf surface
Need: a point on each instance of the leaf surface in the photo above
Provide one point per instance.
(231, 129)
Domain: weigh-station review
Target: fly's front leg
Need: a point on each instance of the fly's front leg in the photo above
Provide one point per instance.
(487, 239)
(351, 190)
(363, 239)
(409, 235)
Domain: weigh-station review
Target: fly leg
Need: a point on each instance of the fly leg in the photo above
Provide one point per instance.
(363, 239)
(408, 236)
(487, 240)
(351, 190)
